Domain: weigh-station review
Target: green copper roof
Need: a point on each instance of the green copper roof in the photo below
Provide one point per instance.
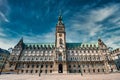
(78, 45)
(40, 44)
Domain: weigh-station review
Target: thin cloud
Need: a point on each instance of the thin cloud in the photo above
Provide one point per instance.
(91, 26)
(3, 17)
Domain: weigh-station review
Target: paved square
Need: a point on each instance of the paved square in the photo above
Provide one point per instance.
(113, 76)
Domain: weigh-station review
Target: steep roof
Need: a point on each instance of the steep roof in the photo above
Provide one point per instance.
(80, 45)
(40, 44)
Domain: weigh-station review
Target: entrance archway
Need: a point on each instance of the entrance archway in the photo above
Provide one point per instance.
(60, 68)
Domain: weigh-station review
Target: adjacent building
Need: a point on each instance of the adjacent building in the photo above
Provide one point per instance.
(116, 57)
(61, 56)
(4, 54)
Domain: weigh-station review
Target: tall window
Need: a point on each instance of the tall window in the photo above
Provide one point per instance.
(33, 66)
(37, 66)
(60, 41)
(28, 66)
(60, 57)
(51, 66)
(46, 66)
(69, 66)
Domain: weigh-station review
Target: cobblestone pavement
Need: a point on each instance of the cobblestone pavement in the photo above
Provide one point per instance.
(113, 76)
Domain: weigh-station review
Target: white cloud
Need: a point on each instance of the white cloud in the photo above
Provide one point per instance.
(102, 14)
(87, 26)
(3, 17)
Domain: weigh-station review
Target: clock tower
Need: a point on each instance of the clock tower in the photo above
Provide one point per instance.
(60, 43)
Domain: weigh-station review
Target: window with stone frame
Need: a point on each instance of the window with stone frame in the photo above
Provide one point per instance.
(84, 70)
(94, 70)
(69, 66)
(36, 71)
(98, 70)
(32, 65)
(50, 71)
(37, 66)
(72, 51)
(51, 66)
(28, 66)
(40, 71)
(42, 66)
(46, 66)
(79, 71)
(22, 71)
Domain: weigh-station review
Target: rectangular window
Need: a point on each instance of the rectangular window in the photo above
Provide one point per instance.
(41, 66)
(46, 66)
(37, 66)
(51, 66)
(31, 71)
(50, 71)
(40, 71)
(36, 71)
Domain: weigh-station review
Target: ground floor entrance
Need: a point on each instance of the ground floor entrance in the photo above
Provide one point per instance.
(60, 68)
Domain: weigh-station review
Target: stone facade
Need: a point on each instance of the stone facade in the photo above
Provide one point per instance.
(61, 56)
(115, 54)
(4, 54)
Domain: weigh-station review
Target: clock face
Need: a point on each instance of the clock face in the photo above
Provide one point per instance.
(60, 35)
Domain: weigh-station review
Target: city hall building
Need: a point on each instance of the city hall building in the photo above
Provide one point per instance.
(61, 56)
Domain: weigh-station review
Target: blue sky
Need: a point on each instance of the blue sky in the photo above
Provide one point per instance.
(35, 21)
